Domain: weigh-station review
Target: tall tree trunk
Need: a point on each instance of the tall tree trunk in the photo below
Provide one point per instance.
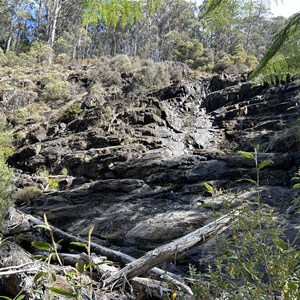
(8, 43)
(76, 50)
(53, 27)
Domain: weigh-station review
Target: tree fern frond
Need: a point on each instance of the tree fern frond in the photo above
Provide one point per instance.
(211, 5)
(114, 11)
(281, 38)
(279, 67)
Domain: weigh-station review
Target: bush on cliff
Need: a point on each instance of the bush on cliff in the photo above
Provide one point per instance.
(5, 177)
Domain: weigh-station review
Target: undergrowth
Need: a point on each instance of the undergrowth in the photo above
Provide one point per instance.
(256, 260)
(5, 175)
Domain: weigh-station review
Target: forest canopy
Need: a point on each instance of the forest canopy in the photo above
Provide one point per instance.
(217, 35)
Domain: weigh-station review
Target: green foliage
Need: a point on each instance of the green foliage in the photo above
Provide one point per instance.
(40, 51)
(111, 78)
(54, 88)
(213, 5)
(6, 151)
(189, 52)
(152, 76)
(121, 63)
(6, 148)
(239, 55)
(276, 65)
(208, 187)
(20, 115)
(18, 297)
(5, 188)
(53, 183)
(77, 282)
(12, 59)
(64, 171)
(113, 12)
(63, 292)
(72, 111)
(5, 176)
(239, 60)
(255, 261)
(106, 117)
(251, 61)
(52, 247)
(219, 14)
(27, 194)
(3, 58)
(223, 63)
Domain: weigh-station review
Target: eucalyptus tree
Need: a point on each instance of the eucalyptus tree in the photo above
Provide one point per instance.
(15, 25)
(282, 57)
(234, 22)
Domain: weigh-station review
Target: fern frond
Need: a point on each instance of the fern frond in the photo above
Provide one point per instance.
(211, 5)
(114, 11)
(279, 64)
(279, 68)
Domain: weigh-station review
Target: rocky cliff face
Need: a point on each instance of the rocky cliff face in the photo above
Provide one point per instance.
(136, 162)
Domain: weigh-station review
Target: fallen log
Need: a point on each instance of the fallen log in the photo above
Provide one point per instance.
(169, 251)
(17, 271)
(18, 222)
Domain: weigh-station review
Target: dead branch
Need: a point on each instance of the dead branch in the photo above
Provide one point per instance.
(169, 251)
(20, 222)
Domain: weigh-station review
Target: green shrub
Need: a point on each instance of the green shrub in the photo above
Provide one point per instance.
(106, 116)
(5, 188)
(72, 111)
(223, 63)
(62, 58)
(188, 52)
(25, 59)
(5, 139)
(121, 63)
(55, 89)
(111, 78)
(251, 61)
(255, 261)
(53, 183)
(97, 90)
(39, 51)
(6, 173)
(239, 55)
(27, 194)
(154, 75)
(64, 171)
(12, 59)
(3, 58)
(6, 151)
(175, 74)
(65, 43)
(20, 115)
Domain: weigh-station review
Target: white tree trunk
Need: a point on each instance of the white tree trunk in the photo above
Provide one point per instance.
(8, 44)
(53, 26)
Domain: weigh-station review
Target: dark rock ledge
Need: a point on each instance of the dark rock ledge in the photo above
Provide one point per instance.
(136, 165)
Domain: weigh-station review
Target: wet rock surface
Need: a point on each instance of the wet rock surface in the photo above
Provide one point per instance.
(136, 165)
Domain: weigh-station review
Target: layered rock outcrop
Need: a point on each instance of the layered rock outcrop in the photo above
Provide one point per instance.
(137, 162)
